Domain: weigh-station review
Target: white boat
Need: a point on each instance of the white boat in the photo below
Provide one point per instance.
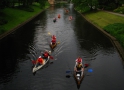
(35, 68)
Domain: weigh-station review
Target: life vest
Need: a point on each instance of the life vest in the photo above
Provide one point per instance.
(70, 17)
(40, 60)
(54, 20)
(46, 54)
(53, 41)
(53, 37)
(79, 66)
(58, 15)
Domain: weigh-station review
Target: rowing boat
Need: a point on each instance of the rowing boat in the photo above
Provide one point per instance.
(41, 65)
(53, 45)
(79, 75)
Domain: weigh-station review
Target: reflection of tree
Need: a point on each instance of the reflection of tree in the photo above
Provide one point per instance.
(15, 47)
(89, 37)
(8, 56)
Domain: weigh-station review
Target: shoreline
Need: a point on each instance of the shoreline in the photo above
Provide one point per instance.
(20, 25)
(111, 38)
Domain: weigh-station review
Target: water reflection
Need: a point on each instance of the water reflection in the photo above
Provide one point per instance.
(8, 59)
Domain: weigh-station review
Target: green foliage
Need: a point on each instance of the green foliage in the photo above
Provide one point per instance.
(85, 5)
(16, 18)
(43, 3)
(26, 8)
(2, 30)
(60, 4)
(2, 21)
(116, 30)
(82, 10)
(119, 10)
(111, 6)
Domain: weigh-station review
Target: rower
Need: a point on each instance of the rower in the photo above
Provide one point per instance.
(53, 37)
(53, 42)
(54, 20)
(46, 54)
(40, 60)
(78, 65)
(59, 16)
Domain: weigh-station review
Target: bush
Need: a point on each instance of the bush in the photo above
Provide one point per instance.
(116, 30)
(26, 8)
(3, 21)
(119, 10)
(2, 30)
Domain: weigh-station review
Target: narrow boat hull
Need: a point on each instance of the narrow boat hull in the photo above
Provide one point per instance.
(78, 77)
(53, 45)
(36, 68)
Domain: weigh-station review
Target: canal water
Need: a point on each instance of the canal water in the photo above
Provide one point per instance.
(77, 37)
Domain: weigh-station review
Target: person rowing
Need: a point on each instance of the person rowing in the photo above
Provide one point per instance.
(78, 65)
(53, 37)
(46, 54)
(78, 70)
(54, 20)
(53, 42)
(70, 17)
(59, 16)
(40, 60)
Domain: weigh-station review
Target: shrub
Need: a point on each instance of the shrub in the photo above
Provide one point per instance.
(119, 10)
(2, 30)
(116, 30)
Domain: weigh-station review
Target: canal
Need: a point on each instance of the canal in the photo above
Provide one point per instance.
(77, 37)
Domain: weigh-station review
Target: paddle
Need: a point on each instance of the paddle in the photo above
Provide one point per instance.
(85, 66)
(49, 33)
(34, 62)
(51, 57)
(58, 42)
(69, 71)
(89, 70)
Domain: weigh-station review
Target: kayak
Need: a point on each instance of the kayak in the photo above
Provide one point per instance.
(53, 45)
(70, 17)
(79, 76)
(54, 21)
(35, 68)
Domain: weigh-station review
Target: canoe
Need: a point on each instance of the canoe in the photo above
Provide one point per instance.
(54, 20)
(53, 45)
(35, 68)
(79, 77)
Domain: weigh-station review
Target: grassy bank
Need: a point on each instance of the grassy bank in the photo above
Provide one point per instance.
(16, 16)
(103, 19)
(111, 23)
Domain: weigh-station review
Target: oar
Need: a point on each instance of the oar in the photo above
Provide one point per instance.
(36, 63)
(33, 62)
(86, 65)
(89, 70)
(49, 33)
(58, 42)
(51, 57)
